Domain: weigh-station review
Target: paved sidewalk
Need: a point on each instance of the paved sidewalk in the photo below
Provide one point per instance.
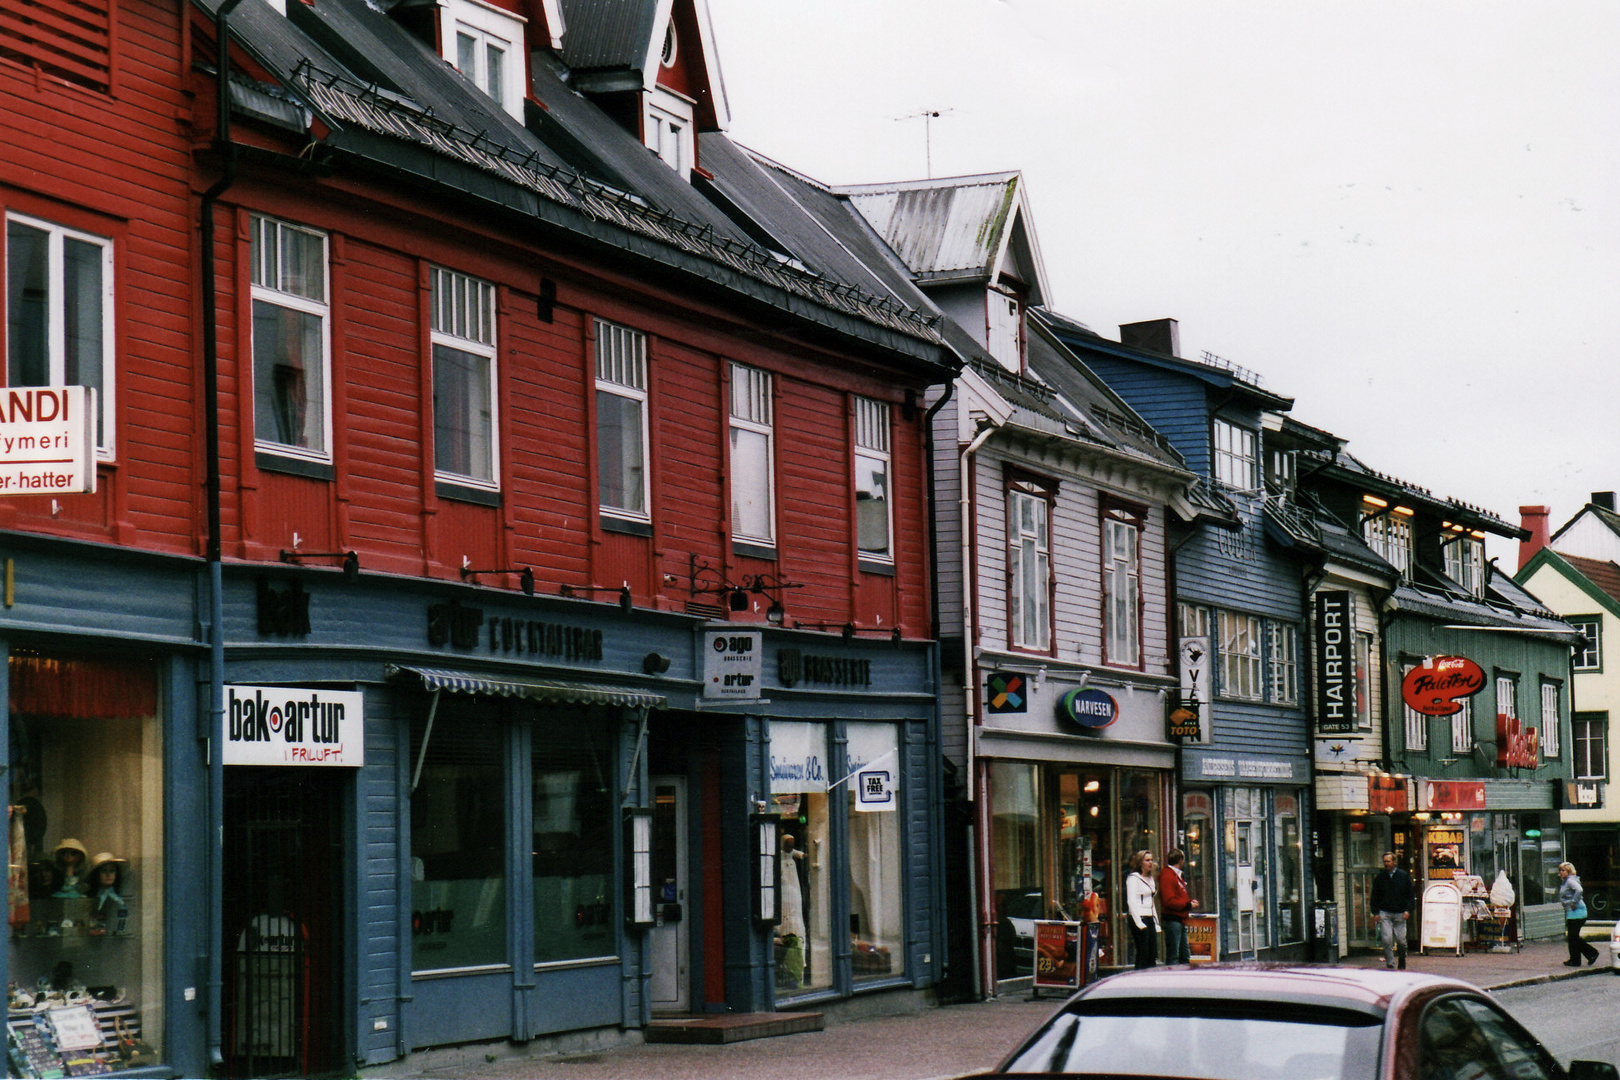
(945, 1042)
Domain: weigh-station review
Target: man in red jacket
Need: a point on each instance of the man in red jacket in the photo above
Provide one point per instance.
(1174, 904)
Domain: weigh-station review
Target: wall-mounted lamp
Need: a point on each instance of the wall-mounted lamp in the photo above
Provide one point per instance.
(626, 601)
(351, 560)
(525, 575)
(767, 868)
(638, 884)
(701, 577)
(655, 663)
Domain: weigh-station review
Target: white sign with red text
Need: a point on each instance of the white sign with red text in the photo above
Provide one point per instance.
(293, 725)
(47, 440)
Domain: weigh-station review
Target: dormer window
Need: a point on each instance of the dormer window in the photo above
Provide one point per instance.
(1388, 531)
(1236, 456)
(1280, 473)
(668, 129)
(1465, 563)
(486, 45)
(1005, 329)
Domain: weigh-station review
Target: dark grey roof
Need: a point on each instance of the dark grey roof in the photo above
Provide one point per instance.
(1450, 608)
(1347, 468)
(607, 33)
(1341, 545)
(407, 115)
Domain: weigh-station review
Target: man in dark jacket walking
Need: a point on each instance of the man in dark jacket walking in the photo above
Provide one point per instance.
(1393, 898)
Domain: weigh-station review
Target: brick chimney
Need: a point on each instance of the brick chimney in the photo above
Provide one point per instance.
(1155, 335)
(1533, 520)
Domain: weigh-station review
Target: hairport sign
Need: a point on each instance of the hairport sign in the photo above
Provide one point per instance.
(293, 725)
(47, 440)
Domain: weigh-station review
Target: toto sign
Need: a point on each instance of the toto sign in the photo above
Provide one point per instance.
(1433, 687)
(1088, 708)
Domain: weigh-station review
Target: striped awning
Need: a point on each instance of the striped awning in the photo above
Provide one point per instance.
(554, 690)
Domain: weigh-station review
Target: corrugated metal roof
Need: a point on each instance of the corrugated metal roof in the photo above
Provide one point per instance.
(607, 33)
(1435, 605)
(941, 228)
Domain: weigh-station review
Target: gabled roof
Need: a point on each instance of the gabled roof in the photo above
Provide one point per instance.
(1604, 516)
(1346, 468)
(1597, 578)
(617, 44)
(958, 229)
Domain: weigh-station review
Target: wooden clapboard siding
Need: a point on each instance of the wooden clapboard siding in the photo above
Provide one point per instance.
(1174, 405)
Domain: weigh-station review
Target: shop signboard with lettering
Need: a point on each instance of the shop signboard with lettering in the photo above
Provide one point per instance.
(293, 725)
(1201, 934)
(733, 665)
(1057, 955)
(1442, 918)
(1583, 794)
(47, 440)
(1088, 708)
(1434, 686)
(1335, 664)
(1196, 683)
(1517, 746)
(1454, 795)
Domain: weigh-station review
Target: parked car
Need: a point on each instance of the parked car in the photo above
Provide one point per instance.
(1282, 1022)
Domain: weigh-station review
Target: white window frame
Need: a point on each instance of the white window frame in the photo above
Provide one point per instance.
(489, 27)
(1465, 563)
(1282, 640)
(1242, 663)
(621, 370)
(1237, 455)
(1507, 690)
(1462, 727)
(462, 318)
(1122, 588)
(1417, 724)
(263, 265)
(872, 448)
(1584, 760)
(669, 125)
(752, 411)
(1390, 535)
(1591, 657)
(1004, 328)
(1029, 567)
(1550, 742)
(56, 318)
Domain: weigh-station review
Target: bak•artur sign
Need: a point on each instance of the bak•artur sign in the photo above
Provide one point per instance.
(47, 440)
(293, 725)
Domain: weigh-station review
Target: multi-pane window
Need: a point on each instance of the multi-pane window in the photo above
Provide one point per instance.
(1389, 533)
(1029, 567)
(1549, 719)
(1281, 472)
(291, 372)
(1589, 733)
(1122, 587)
(463, 326)
(1235, 456)
(58, 312)
(1194, 620)
(1283, 639)
(1462, 727)
(484, 44)
(1465, 564)
(1240, 656)
(1507, 695)
(621, 421)
(874, 527)
(1417, 724)
(1588, 655)
(753, 509)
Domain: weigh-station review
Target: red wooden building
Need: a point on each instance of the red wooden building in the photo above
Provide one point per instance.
(571, 548)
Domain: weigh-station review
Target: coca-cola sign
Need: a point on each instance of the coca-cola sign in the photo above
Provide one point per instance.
(1517, 747)
(1434, 686)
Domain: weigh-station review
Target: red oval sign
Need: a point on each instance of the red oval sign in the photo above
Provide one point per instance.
(1433, 687)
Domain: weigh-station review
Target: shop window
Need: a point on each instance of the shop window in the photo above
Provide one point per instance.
(1197, 819)
(1017, 865)
(873, 524)
(463, 328)
(753, 453)
(1590, 738)
(86, 896)
(59, 303)
(458, 837)
(803, 938)
(621, 421)
(1085, 854)
(876, 864)
(291, 340)
(573, 797)
(1290, 862)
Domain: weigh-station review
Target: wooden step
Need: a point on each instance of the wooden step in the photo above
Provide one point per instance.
(731, 1027)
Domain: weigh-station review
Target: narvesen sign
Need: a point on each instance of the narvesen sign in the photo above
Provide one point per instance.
(47, 440)
(1433, 687)
(1335, 665)
(293, 725)
(1088, 708)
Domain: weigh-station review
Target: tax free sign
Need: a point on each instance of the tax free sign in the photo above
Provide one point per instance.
(293, 725)
(47, 440)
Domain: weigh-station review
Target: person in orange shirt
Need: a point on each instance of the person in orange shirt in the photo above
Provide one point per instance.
(1175, 904)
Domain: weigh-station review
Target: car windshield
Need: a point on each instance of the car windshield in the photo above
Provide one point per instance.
(1218, 1040)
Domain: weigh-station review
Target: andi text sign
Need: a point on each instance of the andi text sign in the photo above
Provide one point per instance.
(47, 440)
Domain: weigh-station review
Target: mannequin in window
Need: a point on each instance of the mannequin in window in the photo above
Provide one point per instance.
(71, 857)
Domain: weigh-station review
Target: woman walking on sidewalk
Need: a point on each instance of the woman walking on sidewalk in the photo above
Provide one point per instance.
(1140, 894)
(1569, 894)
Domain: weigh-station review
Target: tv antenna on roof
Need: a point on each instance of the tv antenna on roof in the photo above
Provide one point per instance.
(927, 116)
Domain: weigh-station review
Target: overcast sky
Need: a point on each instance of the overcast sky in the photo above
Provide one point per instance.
(1403, 215)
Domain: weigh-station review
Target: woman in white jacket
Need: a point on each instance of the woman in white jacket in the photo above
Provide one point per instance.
(1141, 896)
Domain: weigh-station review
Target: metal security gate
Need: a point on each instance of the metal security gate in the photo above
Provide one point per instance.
(282, 960)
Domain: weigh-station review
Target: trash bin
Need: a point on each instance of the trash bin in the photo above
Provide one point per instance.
(1325, 949)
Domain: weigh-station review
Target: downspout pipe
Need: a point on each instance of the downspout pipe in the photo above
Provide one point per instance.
(215, 554)
(966, 458)
(936, 749)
